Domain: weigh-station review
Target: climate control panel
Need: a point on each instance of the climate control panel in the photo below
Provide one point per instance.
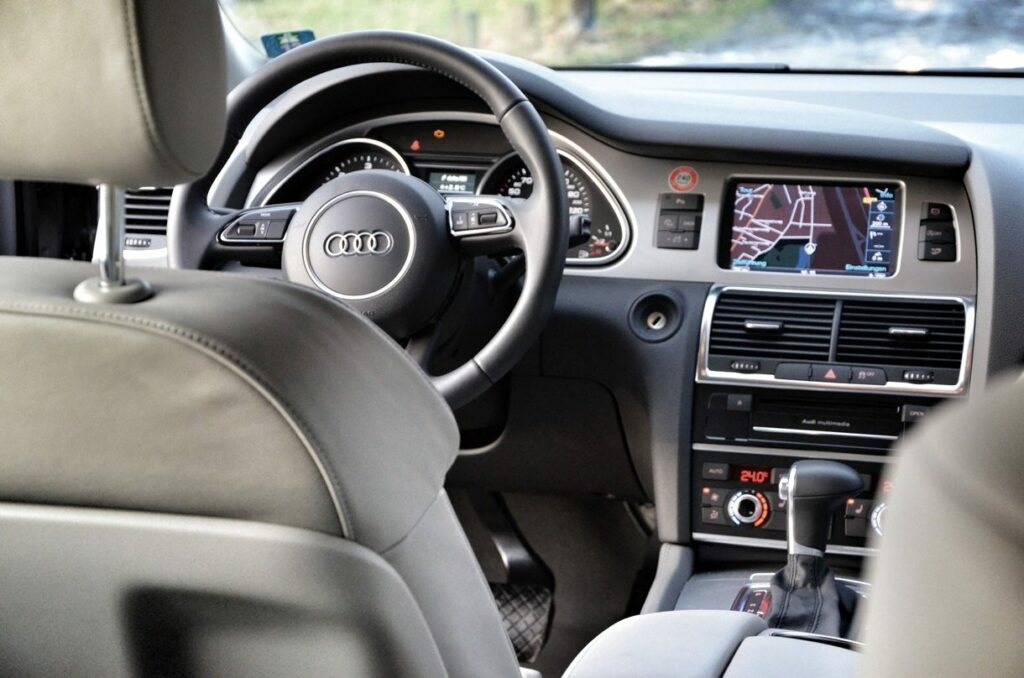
(736, 498)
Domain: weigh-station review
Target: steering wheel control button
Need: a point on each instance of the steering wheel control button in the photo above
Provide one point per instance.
(793, 371)
(712, 470)
(838, 374)
(475, 216)
(264, 224)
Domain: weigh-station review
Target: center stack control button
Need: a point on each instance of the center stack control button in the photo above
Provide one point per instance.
(874, 376)
(713, 470)
(838, 374)
(714, 515)
(794, 371)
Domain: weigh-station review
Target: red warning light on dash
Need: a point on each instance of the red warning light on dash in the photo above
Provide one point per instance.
(415, 145)
(683, 178)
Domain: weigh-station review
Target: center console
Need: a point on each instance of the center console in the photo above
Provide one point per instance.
(789, 375)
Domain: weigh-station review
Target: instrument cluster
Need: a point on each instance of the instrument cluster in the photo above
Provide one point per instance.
(460, 158)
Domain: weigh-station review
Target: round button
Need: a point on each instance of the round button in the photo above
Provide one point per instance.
(748, 508)
(876, 518)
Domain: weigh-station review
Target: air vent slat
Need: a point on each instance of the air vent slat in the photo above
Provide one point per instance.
(145, 209)
(805, 333)
(864, 333)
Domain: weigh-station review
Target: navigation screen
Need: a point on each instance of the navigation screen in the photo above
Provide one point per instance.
(838, 229)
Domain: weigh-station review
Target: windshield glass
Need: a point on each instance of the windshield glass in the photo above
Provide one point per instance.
(901, 35)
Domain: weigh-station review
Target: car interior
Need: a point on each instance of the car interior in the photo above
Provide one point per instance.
(378, 355)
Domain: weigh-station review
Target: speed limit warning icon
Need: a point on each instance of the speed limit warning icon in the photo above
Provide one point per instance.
(683, 179)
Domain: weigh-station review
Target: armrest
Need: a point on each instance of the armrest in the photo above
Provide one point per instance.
(690, 644)
(781, 657)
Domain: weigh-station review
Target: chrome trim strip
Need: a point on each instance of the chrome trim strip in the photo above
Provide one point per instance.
(309, 156)
(838, 434)
(763, 578)
(778, 544)
(705, 375)
(809, 454)
(844, 643)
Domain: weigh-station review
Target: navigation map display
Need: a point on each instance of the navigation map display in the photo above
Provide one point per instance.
(838, 229)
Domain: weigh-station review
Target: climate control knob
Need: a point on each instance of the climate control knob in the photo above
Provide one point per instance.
(749, 508)
(876, 518)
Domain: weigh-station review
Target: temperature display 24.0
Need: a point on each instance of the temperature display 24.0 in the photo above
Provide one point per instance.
(755, 475)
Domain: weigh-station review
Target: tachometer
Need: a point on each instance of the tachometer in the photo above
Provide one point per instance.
(361, 160)
(609, 234)
(331, 162)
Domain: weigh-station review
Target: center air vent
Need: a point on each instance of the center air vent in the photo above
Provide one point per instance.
(761, 326)
(145, 209)
(902, 333)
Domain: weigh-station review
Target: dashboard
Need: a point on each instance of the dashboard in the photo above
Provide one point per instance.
(769, 277)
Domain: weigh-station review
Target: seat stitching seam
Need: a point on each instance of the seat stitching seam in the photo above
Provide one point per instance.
(242, 367)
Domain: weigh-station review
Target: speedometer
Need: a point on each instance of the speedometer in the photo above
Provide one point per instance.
(609, 233)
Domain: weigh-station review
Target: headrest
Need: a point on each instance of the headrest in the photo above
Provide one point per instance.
(125, 92)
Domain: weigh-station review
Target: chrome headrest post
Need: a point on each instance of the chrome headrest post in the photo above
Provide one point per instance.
(109, 232)
(111, 287)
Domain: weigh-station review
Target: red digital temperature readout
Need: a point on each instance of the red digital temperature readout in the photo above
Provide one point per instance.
(754, 476)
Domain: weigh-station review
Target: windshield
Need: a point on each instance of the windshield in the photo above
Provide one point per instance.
(900, 35)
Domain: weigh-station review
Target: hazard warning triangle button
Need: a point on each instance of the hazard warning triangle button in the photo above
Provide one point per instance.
(836, 374)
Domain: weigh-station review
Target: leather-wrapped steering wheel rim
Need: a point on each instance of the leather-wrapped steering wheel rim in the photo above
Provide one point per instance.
(542, 223)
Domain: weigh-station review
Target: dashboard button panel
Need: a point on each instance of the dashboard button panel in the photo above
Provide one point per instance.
(937, 234)
(679, 221)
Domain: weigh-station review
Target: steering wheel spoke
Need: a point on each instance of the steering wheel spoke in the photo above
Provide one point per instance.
(257, 226)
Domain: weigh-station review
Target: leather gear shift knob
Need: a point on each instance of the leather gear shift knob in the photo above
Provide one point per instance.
(813, 490)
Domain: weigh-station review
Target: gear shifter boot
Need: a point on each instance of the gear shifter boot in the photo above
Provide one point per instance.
(806, 597)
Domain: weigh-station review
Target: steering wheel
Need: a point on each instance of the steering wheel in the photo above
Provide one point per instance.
(386, 243)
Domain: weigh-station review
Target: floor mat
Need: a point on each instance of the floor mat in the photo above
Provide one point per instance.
(526, 613)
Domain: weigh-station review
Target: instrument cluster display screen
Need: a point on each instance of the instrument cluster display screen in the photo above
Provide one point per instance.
(835, 229)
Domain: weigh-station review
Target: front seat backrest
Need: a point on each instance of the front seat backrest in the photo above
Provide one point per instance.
(157, 426)
(947, 598)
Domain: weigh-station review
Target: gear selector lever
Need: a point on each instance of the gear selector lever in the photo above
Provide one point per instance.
(805, 595)
(813, 490)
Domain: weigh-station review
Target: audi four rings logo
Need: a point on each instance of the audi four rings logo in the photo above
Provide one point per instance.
(358, 243)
